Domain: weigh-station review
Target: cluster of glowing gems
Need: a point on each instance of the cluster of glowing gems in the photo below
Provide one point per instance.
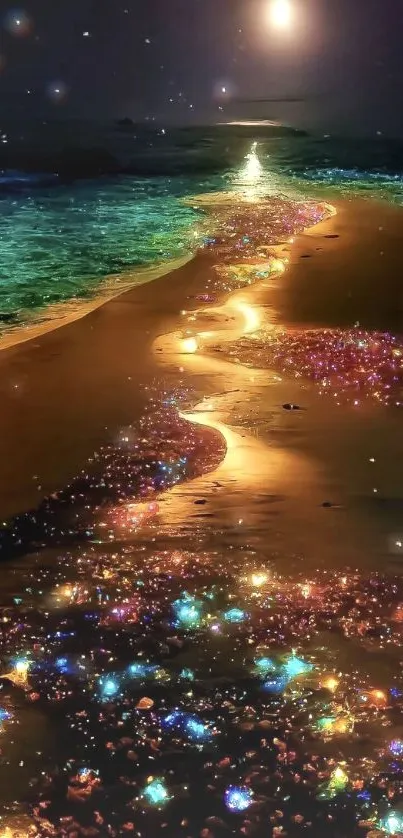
(238, 798)
(156, 793)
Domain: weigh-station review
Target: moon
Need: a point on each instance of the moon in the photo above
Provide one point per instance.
(281, 13)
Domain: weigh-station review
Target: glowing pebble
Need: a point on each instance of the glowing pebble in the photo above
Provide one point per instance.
(145, 703)
(187, 674)
(396, 747)
(235, 615)
(275, 685)
(393, 823)
(296, 666)
(238, 798)
(330, 683)
(156, 793)
(187, 611)
(338, 779)
(109, 686)
(197, 730)
(264, 665)
(189, 345)
(141, 670)
(259, 579)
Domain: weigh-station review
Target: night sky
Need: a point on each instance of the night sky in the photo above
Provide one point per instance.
(182, 60)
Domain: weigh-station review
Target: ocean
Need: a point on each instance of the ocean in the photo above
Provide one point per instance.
(68, 238)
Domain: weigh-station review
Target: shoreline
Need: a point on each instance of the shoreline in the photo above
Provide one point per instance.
(80, 383)
(262, 508)
(296, 444)
(75, 309)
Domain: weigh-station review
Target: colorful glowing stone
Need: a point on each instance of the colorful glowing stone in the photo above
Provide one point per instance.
(275, 685)
(108, 686)
(173, 719)
(197, 730)
(393, 823)
(187, 611)
(21, 665)
(327, 723)
(189, 345)
(189, 725)
(396, 747)
(145, 703)
(235, 615)
(259, 579)
(238, 798)
(141, 670)
(338, 779)
(187, 674)
(156, 793)
(296, 666)
(264, 665)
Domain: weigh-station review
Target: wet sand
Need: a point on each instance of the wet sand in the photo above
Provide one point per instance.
(72, 389)
(67, 392)
(355, 276)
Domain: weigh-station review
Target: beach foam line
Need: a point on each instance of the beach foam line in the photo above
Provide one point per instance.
(64, 313)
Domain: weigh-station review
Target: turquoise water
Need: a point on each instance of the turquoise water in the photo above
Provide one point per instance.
(59, 243)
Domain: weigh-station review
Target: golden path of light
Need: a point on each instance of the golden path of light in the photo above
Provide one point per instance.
(249, 463)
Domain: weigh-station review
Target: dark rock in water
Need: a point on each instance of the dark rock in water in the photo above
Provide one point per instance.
(332, 236)
(290, 406)
(201, 501)
(306, 256)
(327, 504)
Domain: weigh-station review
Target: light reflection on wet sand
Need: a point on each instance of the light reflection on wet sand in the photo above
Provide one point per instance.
(266, 496)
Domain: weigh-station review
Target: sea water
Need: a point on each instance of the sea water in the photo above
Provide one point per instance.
(60, 242)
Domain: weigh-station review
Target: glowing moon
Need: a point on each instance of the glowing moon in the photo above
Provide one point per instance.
(281, 13)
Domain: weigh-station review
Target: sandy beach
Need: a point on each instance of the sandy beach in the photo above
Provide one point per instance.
(201, 448)
(80, 384)
(298, 495)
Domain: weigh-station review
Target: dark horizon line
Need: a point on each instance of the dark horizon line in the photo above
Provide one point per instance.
(262, 101)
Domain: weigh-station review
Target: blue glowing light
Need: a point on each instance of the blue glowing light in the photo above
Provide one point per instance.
(156, 793)
(187, 674)
(173, 719)
(188, 724)
(197, 730)
(296, 666)
(392, 823)
(264, 665)
(4, 715)
(396, 747)
(275, 685)
(235, 615)
(21, 665)
(109, 686)
(141, 670)
(187, 611)
(238, 798)
(84, 772)
(62, 664)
